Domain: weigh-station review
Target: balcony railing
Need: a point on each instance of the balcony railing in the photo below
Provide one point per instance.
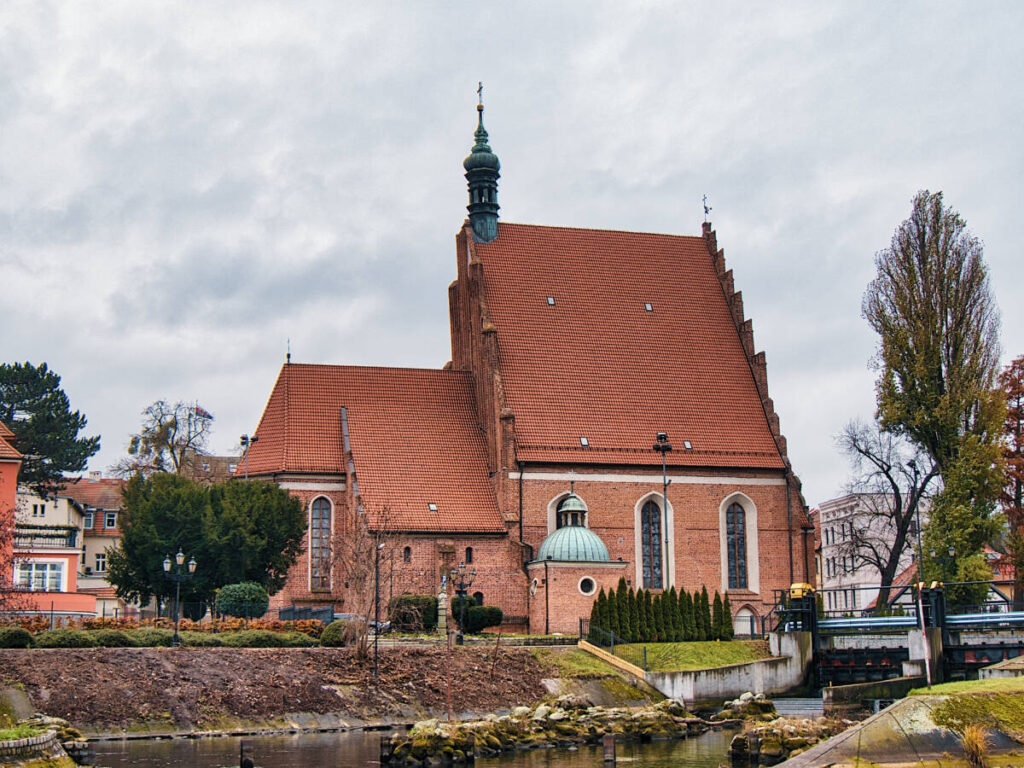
(45, 537)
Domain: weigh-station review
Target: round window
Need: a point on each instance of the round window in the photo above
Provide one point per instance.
(587, 586)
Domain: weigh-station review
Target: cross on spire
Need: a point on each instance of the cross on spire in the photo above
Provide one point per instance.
(480, 92)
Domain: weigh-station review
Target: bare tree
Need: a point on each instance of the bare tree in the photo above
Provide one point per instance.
(362, 549)
(891, 479)
(171, 439)
(13, 599)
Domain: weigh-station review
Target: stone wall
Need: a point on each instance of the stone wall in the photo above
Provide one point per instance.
(45, 745)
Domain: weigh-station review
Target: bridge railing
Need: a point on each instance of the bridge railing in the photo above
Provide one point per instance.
(634, 653)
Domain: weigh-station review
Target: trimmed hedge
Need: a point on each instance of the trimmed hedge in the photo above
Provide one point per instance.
(413, 613)
(151, 637)
(258, 638)
(65, 638)
(479, 617)
(15, 637)
(200, 639)
(247, 600)
(113, 638)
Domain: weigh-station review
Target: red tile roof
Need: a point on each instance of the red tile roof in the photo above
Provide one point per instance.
(5, 431)
(413, 435)
(104, 493)
(7, 451)
(598, 365)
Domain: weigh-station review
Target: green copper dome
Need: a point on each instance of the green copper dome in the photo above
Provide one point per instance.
(481, 156)
(574, 543)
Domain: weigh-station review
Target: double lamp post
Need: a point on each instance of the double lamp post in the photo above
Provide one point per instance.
(178, 575)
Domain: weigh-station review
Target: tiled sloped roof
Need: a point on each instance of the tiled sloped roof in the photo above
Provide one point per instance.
(104, 493)
(597, 365)
(7, 451)
(5, 431)
(413, 436)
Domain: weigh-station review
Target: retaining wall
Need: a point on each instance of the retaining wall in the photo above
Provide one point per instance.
(45, 745)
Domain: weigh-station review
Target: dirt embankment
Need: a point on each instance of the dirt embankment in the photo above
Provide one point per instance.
(114, 689)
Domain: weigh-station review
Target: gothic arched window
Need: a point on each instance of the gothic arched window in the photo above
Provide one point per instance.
(469, 555)
(736, 545)
(320, 544)
(407, 555)
(650, 545)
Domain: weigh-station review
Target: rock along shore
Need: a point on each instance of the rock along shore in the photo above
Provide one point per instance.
(567, 721)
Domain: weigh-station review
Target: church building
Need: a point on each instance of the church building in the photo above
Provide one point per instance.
(604, 415)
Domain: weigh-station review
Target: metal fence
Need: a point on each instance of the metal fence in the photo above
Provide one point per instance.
(299, 613)
(634, 653)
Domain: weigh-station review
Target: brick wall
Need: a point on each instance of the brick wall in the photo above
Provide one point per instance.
(557, 604)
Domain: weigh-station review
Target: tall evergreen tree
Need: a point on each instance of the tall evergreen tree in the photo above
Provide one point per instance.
(659, 617)
(686, 609)
(614, 620)
(634, 617)
(622, 601)
(728, 627)
(595, 618)
(666, 617)
(602, 610)
(717, 620)
(677, 624)
(649, 615)
(642, 629)
(705, 612)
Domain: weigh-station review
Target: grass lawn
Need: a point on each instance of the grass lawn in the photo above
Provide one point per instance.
(993, 685)
(18, 732)
(676, 657)
(573, 662)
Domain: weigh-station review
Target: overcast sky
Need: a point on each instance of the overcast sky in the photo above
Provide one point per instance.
(184, 187)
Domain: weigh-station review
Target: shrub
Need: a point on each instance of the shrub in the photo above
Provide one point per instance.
(976, 743)
(261, 638)
(65, 638)
(15, 637)
(200, 639)
(413, 613)
(339, 633)
(247, 600)
(113, 638)
(152, 637)
(481, 616)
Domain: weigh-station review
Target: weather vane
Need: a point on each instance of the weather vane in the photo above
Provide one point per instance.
(707, 209)
(480, 92)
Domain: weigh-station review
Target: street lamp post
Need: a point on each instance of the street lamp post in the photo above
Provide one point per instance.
(178, 575)
(246, 441)
(663, 446)
(376, 604)
(462, 580)
(920, 584)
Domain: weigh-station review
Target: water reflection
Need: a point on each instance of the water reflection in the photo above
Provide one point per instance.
(326, 750)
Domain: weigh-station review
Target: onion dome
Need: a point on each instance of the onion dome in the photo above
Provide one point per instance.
(482, 174)
(574, 543)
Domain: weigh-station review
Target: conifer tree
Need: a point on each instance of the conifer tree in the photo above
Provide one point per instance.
(602, 609)
(622, 603)
(649, 615)
(666, 618)
(677, 625)
(642, 629)
(717, 622)
(595, 618)
(634, 635)
(705, 612)
(728, 629)
(659, 617)
(614, 625)
(689, 629)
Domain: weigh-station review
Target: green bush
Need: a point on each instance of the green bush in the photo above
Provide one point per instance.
(113, 638)
(479, 617)
(15, 637)
(65, 638)
(339, 633)
(151, 637)
(200, 639)
(413, 613)
(247, 600)
(260, 638)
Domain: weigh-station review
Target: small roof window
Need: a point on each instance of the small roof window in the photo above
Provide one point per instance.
(432, 507)
(584, 442)
(687, 445)
(648, 306)
(551, 301)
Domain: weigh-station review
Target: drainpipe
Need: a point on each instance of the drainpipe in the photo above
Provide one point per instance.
(547, 591)
(789, 526)
(520, 464)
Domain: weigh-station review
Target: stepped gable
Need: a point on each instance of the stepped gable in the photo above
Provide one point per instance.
(598, 364)
(412, 435)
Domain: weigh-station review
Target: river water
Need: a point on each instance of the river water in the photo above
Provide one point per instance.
(358, 748)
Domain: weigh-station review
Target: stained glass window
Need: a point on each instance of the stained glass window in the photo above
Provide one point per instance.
(320, 544)
(736, 544)
(650, 545)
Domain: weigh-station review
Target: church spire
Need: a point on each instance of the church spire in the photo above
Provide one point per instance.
(482, 174)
